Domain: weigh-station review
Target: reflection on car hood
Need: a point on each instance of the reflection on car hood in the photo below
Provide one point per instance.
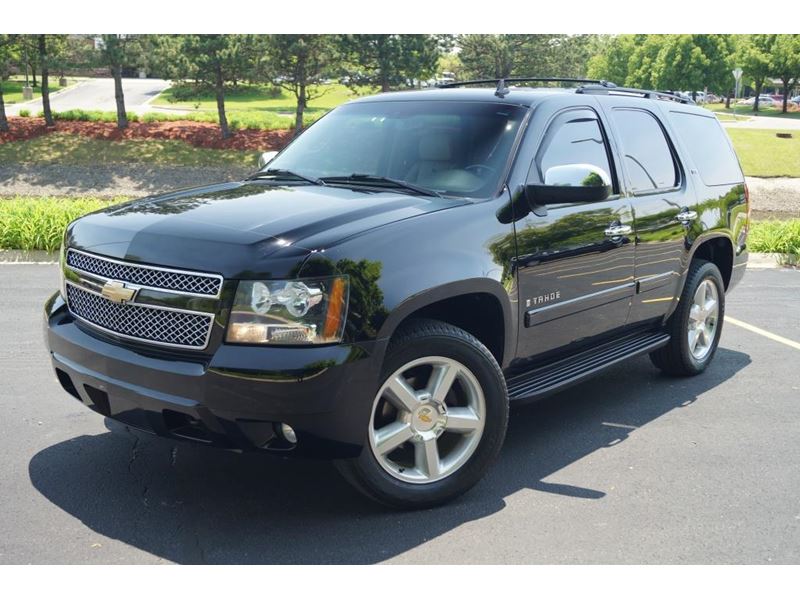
(230, 227)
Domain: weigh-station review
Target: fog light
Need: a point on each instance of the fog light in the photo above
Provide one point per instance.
(288, 433)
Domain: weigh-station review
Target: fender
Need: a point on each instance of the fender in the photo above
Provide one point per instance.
(464, 287)
(698, 241)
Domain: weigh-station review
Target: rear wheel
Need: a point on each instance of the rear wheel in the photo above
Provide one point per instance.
(438, 419)
(696, 325)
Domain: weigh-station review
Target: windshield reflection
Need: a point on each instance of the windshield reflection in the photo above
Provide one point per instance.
(456, 148)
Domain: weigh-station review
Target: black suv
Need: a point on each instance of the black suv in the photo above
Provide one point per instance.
(382, 289)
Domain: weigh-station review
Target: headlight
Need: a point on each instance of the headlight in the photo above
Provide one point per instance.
(297, 312)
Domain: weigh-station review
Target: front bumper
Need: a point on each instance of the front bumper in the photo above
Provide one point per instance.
(235, 399)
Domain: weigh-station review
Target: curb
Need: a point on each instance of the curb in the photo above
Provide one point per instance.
(765, 260)
(28, 257)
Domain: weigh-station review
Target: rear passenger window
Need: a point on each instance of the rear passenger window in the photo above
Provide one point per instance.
(707, 145)
(574, 138)
(648, 158)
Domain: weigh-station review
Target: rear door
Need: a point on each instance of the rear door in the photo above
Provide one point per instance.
(662, 200)
(575, 260)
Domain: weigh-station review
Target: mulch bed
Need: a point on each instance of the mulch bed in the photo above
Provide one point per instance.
(203, 135)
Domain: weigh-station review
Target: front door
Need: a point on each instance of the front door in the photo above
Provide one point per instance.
(575, 263)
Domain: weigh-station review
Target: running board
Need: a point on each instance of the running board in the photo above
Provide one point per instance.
(551, 377)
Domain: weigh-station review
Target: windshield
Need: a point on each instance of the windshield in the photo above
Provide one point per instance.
(458, 148)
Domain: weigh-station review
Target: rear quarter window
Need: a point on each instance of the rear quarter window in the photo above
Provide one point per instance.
(708, 146)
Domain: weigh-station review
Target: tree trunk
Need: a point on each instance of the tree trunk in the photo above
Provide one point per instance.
(785, 82)
(301, 106)
(223, 120)
(757, 90)
(119, 96)
(3, 120)
(728, 100)
(33, 74)
(48, 115)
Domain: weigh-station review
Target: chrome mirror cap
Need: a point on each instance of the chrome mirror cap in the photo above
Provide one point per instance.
(577, 175)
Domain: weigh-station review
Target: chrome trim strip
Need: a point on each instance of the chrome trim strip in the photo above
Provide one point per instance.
(150, 306)
(216, 276)
(653, 282)
(579, 304)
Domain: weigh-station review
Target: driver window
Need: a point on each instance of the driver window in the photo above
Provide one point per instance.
(574, 139)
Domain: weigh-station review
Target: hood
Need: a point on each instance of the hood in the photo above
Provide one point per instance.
(234, 228)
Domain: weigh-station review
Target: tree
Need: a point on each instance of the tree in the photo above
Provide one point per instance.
(489, 55)
(7, 47)
(298, 63)
(535, 55)
(754, 57)
(211, 59)
(556, 55)
(119, 50)
(785, 63)
(612, 59)
(390, 60)
(680, 64)
(43, 61)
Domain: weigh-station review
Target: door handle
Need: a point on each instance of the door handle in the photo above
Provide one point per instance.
(618, 230)
(686, 215)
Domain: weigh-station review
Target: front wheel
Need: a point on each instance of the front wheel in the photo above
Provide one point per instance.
(696, 325)
(438, 419)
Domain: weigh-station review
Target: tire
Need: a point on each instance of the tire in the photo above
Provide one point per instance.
(679, 357)
(467, 426)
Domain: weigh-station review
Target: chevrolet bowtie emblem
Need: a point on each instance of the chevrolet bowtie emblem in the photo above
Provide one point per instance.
(117, 292)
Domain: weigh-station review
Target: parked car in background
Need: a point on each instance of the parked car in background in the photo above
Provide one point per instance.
(699, 97)
(763, 101)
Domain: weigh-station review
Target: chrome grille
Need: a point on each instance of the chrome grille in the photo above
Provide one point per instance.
(149, 324)
(152, 277)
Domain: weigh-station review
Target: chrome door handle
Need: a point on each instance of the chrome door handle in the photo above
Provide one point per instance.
(618, 230)
(686, 215)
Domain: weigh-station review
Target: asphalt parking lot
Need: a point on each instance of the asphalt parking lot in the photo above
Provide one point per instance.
(632, 467)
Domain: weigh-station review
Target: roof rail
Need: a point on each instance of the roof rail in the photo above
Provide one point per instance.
(623, 91)
(501, 82)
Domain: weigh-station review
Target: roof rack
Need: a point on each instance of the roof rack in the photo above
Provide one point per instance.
(501, 89)
(590, 86)
(623, 91)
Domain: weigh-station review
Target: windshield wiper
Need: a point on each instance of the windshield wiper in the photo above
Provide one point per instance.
(379, 179)
(283, 173)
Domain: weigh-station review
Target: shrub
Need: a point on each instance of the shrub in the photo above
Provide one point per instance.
(24, 113)
(780, 237)
(39, 223)
(93, 116)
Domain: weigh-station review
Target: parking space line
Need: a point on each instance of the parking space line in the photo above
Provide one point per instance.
(764, 332)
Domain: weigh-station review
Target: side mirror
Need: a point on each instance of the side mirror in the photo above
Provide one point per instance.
(266, 157)
(570, 183)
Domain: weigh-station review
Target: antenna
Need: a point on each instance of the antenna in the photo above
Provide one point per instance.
(501, 90)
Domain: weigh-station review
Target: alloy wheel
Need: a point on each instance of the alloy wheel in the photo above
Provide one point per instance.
(427, 420)
(703, 319)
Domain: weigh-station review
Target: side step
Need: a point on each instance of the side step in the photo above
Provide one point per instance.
(551, 377)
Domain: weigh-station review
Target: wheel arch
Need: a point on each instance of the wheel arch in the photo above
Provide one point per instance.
(718, 249)
(479, 306)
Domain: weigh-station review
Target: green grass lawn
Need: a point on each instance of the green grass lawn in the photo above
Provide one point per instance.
(12, 89)
(764, 155)
(747, 111)
(77, 150)
(248, 98)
